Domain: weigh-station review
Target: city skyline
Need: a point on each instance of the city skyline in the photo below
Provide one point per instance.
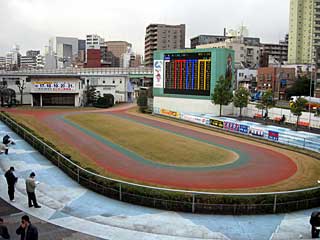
(30, 23)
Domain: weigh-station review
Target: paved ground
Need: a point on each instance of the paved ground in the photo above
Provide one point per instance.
(66, 204)
(47, 231)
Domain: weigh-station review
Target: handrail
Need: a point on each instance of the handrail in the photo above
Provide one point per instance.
(81, 71)
(157, 188)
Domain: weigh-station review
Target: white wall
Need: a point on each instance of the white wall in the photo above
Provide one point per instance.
(184, 105)
(190, 106)
(117, 86)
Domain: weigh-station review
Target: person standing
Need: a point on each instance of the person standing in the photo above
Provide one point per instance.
(11, 181)
(26, 230)
(3, 148)
(7, 140)
(4, 233)
(31, 188)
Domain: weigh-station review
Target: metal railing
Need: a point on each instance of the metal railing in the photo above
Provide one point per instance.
(80, 71)
(314, 121)
(172, 199)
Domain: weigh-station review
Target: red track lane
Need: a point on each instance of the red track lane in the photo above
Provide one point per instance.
(264, 167)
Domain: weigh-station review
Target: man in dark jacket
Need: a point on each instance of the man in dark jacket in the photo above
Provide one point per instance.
(7, 140)
(26, 230)
(11, 181)
(3, 230)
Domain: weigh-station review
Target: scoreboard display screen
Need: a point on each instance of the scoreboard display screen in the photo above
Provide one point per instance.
(187, 73)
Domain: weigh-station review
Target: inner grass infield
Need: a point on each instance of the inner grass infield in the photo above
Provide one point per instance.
(154, 144)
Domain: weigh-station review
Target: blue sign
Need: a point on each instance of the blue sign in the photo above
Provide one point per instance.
(274, 136)
(244, 129)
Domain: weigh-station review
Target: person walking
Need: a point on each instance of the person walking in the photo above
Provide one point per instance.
(4, 233)
(26, 230)
(11, 181)
(31, 188)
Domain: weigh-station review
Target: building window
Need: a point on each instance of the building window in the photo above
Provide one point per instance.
(120, 82)
(113, 81)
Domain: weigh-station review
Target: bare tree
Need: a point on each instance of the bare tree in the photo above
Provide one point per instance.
(22, 86)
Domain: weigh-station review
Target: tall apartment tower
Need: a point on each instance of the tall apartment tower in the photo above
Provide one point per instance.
(304, 35)
(163, 37)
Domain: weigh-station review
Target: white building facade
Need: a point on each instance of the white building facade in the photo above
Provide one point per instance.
(94, 41)
(28, 62)
(245, 55)
(247, 78)
(56, 91)
(63, 49)
(119, 86)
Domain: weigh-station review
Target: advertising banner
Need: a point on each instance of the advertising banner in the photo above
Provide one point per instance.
(231, 126)
(51, 86)
(258, 132)
(216, 123)
(169, 113)
(158, 74)
(195, 119)
(244, 129)
(274, 136)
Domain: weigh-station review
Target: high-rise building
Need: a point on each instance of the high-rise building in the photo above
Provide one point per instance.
(246, 56)
(64, 49)
(93, 41)
(117, 48)
(208, 39)
(81, 51)
(93, 50)
(277, 51)
(13, 58)
(40, 61)
(28, 62)
(2, 62)
(163, 37)
(304, 35)
(136, 61)
(32, 53)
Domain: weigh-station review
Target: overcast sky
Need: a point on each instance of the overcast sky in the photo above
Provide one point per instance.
(30, 23)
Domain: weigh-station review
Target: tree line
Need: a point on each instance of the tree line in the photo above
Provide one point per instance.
(223, 96)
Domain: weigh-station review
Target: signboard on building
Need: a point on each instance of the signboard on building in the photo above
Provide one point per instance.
(169, 113)
(52, 86)
(258, 132)
(187, 73)
(244, 129)
(274, 136)
(231, 126)
(158, 74)
(216, 123)
(195, 119)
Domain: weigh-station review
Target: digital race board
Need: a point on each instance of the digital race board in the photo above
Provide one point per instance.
(187, 73)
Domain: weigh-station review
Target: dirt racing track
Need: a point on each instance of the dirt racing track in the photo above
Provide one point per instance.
(257, 166)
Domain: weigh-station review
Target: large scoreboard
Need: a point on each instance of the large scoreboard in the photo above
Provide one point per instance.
(187, 73)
